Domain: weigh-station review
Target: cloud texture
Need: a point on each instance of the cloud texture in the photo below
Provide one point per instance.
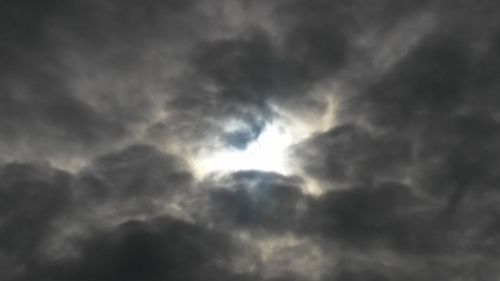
(107, 106)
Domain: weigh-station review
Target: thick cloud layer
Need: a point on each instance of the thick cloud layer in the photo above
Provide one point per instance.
(108, 108)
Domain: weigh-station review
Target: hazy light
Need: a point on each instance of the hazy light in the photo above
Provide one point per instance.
(267, 153)
(271, 151)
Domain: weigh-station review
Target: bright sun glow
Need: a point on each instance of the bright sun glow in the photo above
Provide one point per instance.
(266, 153)
(270, 151)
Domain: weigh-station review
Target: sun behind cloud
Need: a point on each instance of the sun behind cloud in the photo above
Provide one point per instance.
(271, 150)
(266, 153)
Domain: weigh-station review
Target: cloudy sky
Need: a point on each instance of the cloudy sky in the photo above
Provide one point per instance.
(266, 140)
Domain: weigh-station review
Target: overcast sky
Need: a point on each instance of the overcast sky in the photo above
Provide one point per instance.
(266, 140)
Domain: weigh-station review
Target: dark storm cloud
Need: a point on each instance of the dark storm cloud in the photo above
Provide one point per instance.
(32, 197)
(39, 203)
(258, 66)
(75, 73)
(136, 181)
(386, 215)
(428, 83)
(240, 77)
(408, 174)
(137, 171)
(428, 101)
(314, 38)
(350, 155)
(429, 125)
(254, 200)
(156, 249)
(229, 79)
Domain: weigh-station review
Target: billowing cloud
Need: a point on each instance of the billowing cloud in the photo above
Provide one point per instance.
(33, 197)
(249, 140)
(160, 248)
(255, 200)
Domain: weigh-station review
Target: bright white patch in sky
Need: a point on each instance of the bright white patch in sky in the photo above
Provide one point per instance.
(270, 151)
(266, 153)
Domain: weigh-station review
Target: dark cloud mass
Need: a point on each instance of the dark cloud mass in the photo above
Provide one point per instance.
(110, 110)
(157, 249)
(256, 201)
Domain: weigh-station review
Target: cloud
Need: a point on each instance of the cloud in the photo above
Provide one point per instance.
(137, 170)
(387, 216)
(134, 182)
(116, 206)
(107, 107)
(243, 77)
(253, 200)
(78, 74)
(350, 155)
(149, 250)
(33, 197)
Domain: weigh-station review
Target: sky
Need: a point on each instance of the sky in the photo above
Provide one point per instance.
(265, 140)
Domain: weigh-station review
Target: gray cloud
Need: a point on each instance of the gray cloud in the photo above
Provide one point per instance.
(148, 250)
(349, 155)
(33, 197)
(79, 74)
(105, 105)
(254, 200)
